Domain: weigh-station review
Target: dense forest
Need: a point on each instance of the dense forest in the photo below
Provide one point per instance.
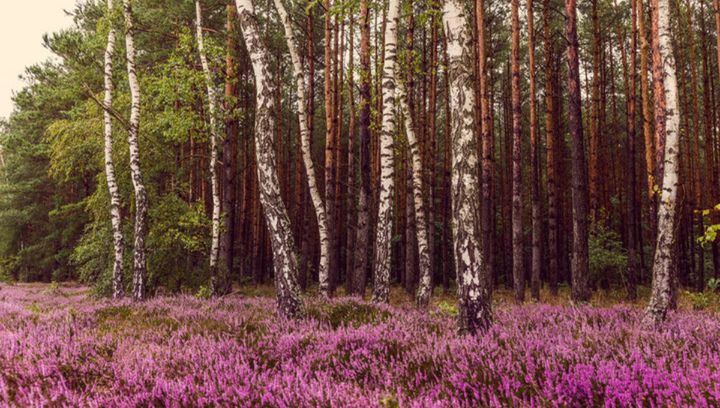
(344, 146)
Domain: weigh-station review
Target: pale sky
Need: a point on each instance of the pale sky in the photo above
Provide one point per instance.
(22, 25)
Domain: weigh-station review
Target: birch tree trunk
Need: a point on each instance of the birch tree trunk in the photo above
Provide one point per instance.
(305, 136)
(276, 216)
(657, 308)
(579, 262)
(115, 217)
(424, 289)
(383, 236)
(141, 209)
(215, 280)
(473, 291)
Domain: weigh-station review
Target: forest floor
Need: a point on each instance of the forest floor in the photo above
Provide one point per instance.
(60, 346)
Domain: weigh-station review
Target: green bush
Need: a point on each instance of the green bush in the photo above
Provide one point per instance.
(607, 256)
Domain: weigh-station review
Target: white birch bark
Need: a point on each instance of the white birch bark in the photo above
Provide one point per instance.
(657, 308)
(139, 260)
(214, 141)
(424, 289)
(276, 216)
(115, 216)
(473, 292)
(323, 272)
(383, 235)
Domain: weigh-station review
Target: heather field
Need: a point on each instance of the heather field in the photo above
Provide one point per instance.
(60, 347)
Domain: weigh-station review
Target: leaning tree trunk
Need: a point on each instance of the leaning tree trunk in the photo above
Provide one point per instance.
(141, 208)
(383, 235)
(424, 289)
(473, 291)
(276, 216)
(215, 280)
(579, 262)
(662, 264)
(115, 217)
(323, 271)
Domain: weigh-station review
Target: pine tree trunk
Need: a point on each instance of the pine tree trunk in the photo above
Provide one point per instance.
(646, 114)
(473, 292)
(667, 122)
(363, 210)
(229, 151)
(383, 232)
(352, 190)
(487, 218)
(276, 217)
(633, 215)
(552, 193)
(595, 114)
(115, 216)
(330, 147)
(579, 261)
(216, 280)
(534, 162)
(141, 207)
(305, 147)
(517, 227)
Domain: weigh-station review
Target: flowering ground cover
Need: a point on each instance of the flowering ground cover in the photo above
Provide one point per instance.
(60, 347)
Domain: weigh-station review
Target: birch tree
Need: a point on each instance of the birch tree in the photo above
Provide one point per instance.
(383, 236)
(214, 140)
(115, 216)
(141, 206)
(667, 121)
(424, 289)
(473, 292)
(276, 216)
(323, 271)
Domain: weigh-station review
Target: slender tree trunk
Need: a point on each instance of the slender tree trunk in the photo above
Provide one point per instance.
(534, 161)
(115, 215)
(631, 179)
(330, 146)
(216, 281)
(141, 207)
(667, 122)
(518, 263)
(305, 146)
(229, 151)
(424, 289)
(276, 217)
(708, 109)
(646, 114)
(595, 116)
(487, 218)
(363, 225)
(579, 262)
(473, 292)
(351, 183)
(383, 231)
(552, 193)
